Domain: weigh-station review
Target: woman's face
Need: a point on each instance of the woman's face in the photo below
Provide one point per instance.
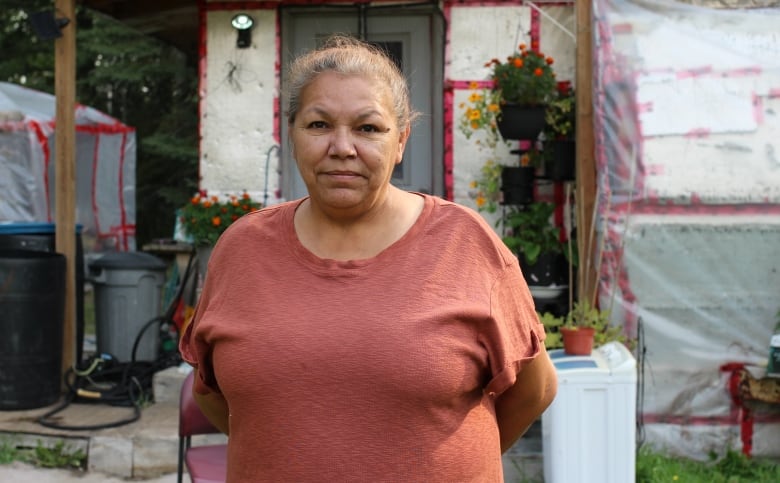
(346, 142)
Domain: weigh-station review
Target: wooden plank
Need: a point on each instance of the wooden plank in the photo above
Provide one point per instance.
(585, 194)
(65, 169)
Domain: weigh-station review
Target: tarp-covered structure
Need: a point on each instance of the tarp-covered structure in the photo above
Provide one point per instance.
(105, 168)
(687, 129)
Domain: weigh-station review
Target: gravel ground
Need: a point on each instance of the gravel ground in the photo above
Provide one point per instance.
(20, 472)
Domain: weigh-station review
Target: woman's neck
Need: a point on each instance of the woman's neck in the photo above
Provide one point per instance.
(352, 237)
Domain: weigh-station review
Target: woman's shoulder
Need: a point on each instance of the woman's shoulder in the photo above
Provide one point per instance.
(459, 224)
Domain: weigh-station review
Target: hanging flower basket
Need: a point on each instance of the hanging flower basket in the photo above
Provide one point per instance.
(521, 122)
(560, 164)
(517, 185)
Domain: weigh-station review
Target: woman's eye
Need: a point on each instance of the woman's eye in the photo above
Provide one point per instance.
(368, 128)
(317, 125)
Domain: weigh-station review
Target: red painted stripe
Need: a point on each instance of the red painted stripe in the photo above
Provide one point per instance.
(43, 141)
(122, 209)
(95, 207)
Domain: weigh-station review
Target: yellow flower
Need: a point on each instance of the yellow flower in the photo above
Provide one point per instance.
(473, 85)
(492, 107)
(473, 184)
(475, 97)
(480, 201)
(474, 115)
(474, 125)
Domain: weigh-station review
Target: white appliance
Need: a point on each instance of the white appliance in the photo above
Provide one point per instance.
(589, 431)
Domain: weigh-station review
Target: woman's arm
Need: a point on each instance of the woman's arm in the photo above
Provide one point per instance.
(214, 407)
(520, 405)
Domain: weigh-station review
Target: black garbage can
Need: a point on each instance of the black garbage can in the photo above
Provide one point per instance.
(38, 236)
(32, 313)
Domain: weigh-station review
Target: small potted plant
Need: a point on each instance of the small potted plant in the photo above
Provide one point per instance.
(515, 105)
(585, 326)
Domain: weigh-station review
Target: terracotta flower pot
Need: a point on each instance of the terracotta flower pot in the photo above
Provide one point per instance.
(579, 341)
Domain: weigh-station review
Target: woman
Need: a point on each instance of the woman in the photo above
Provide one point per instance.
(364, 333)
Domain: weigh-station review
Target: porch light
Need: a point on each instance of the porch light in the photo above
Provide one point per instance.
(243, 23)
(46, 26)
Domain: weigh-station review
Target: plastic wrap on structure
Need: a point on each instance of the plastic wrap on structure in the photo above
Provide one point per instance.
(687, 127)
(105, 168)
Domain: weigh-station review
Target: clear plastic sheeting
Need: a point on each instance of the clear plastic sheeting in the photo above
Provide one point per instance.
(105, 168)
(687, 127)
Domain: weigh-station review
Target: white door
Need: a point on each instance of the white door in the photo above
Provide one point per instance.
(410, 41)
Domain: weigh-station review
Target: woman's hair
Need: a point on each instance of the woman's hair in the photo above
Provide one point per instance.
(350, 56)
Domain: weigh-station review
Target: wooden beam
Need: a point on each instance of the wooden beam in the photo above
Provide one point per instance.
(585, 195)
(65, 169)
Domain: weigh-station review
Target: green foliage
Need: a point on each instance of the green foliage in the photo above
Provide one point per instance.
(525, 78)
(582, 314)
(733, 467)
(134, 78)
(205, 217)
(560, 117)
(59, 455)
(530, 231)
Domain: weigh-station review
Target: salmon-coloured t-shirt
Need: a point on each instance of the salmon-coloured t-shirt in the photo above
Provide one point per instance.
(383, 369)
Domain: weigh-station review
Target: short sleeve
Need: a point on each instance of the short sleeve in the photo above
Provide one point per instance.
(196, 351)
(515, 335)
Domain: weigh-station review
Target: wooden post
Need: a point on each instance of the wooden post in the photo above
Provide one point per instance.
(585, 194)
(65, 169)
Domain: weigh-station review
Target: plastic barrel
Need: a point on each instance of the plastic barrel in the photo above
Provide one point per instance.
(39, 236)
(32, 311)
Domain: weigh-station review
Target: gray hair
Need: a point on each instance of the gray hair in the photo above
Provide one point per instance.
(350, 56)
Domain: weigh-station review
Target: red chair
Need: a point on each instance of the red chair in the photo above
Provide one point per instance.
(205, 463)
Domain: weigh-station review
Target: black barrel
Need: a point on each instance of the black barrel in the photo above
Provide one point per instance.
(39, 236)
(32, 311)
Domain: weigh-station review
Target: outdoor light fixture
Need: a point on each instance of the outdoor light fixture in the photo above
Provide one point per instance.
(46, 26)
(243, 23)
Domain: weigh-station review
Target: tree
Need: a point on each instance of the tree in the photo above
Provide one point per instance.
(134, 78)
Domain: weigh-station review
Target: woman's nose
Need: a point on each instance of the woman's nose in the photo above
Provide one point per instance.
(342, 144)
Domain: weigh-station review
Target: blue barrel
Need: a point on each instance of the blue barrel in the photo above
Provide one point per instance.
(32, 314)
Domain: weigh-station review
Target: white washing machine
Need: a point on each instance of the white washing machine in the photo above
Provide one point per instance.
(589, 431)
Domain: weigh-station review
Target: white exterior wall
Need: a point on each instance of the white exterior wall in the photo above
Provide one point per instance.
(237, 108)
(478, 34)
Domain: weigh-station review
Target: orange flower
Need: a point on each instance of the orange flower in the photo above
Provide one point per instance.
(474, 85)
(206, 204)
(195, 199)
(492, 107)
(474, 125)
(522, 46)
(480, 200)
(245, 207)
(538, 72)
(245, 196)
(475, 97)
(216, 221)
(549, 60)
(518, 62)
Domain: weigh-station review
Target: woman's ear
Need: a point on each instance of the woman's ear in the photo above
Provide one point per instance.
(403, 138)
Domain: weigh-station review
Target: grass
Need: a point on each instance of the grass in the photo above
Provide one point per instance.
(733, 467)
(57, 456)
